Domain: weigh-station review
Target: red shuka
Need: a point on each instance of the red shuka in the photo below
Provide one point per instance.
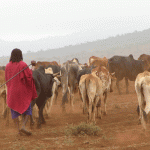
(21, 89)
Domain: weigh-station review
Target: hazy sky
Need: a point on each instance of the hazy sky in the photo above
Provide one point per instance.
(34, 19)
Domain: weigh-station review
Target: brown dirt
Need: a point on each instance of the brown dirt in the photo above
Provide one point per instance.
(120, 129)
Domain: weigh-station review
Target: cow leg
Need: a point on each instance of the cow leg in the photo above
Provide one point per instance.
(141, 108)
(3, 94)
(105, 97)
(41, 119)
(69, 92)
(117, 84)
(6, 109)
(64, 98)
(35, 111)
(54, 88)
(84, 105)
(90, 109)
(127, 85)
(55, 98)
(50, 102)
(47, 107)
(94, 108)
(99, 111)
(87, 104)
(72, 98)
(7, 115)
(111, 85)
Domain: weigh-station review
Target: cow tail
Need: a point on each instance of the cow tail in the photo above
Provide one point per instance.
(65, 97)
(87, 82)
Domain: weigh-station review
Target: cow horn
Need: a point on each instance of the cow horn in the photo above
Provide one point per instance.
(59, 76)
(112, 73)
(56, 74)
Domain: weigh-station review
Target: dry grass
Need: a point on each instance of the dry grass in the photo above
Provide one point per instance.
(82, 129)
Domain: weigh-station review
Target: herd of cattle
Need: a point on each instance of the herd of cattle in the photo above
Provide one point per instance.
(94, 80)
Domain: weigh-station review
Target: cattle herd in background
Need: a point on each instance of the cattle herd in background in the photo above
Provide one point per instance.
(94, 80)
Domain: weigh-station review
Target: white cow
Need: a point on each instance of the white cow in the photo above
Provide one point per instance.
(142, 87)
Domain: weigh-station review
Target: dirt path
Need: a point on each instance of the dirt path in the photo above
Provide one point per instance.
(120, 129)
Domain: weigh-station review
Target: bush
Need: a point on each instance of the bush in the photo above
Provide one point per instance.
(82, 129)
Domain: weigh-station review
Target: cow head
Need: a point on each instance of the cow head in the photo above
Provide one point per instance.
(49, 71)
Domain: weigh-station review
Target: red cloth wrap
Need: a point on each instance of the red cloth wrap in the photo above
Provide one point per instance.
(21, 89)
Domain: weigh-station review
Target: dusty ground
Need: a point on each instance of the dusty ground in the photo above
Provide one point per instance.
(120, 129)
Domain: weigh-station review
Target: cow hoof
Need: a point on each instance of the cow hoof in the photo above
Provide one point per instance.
(43, 122)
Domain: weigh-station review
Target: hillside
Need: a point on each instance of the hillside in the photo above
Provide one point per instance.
(135, 43)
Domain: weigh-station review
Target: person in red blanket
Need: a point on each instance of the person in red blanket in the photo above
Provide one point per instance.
(20, 90)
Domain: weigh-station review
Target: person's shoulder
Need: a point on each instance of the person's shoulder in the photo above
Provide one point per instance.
(23, 63)
(8, 64)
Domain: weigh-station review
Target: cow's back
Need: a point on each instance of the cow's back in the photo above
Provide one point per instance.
(125, 67)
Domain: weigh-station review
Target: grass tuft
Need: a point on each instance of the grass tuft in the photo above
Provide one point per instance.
(82, 129)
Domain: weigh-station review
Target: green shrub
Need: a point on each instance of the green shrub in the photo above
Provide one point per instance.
(82, 129)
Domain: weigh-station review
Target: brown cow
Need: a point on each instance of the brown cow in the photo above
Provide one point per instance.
(146, 59)
(96, 61)
(91, 91)
(45, 64)
(91, 60)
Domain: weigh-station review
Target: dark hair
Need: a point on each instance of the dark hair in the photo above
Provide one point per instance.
(16, 55)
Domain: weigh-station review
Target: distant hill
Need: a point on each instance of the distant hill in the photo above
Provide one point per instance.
(135, 43)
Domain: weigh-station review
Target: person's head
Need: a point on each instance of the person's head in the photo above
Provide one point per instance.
(16, 55)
